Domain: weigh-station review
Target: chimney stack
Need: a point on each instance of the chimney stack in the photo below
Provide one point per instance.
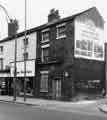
(12, 27)
(53, 15)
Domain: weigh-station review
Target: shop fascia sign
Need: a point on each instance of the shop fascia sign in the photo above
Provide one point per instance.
(30, 69)
(4, 74)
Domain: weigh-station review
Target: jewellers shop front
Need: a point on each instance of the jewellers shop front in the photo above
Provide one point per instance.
(30, 77)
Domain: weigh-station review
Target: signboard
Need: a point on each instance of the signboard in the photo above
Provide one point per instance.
(89, 40)
(30, 69)
(4, 74)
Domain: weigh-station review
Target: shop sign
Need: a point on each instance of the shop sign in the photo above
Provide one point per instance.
(30, 69)
(4, 74)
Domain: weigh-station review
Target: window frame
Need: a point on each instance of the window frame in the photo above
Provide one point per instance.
(46, 46)
(26, 43)
(43, 31)
(57, 31)
(26, 53)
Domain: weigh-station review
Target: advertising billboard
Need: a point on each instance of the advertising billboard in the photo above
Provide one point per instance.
(89, 40)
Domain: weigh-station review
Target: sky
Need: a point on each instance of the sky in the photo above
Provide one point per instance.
(38, 10)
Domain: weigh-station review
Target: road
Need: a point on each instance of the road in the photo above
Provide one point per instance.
(10, 111)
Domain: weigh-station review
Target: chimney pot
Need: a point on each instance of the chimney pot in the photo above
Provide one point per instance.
(53, 15)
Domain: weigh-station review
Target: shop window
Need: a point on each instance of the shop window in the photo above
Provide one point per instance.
(45, 35)
(44, 81)
(61, 31)
(1, 63)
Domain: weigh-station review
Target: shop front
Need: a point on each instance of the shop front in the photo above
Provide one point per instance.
(30, 77)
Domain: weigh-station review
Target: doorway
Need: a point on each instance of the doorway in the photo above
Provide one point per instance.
(56, 87)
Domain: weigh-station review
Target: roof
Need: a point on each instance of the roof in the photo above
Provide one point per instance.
(32, 30)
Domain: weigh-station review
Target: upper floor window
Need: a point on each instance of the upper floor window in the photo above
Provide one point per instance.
(7, 67)
(25, 41)
(1, 49)
(61, 31)
(1, 63)
(45, 52)
(25, 55)
(45, 35)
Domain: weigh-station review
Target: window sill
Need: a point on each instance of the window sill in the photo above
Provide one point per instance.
(44, 41)
(43, 91)
(61, 37)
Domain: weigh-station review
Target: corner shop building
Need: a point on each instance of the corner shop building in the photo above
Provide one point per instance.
(71, 58)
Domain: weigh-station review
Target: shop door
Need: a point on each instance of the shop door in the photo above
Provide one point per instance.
(56, 89)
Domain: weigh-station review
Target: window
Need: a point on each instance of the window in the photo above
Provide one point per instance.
(25, 55)
(45, 35)
(7, 67)
(45, 52)
(1, 49)
(1, 63)
(61, 31)
(25, 41)
(44, 81)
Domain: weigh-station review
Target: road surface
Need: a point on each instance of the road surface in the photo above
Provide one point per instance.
(10, 111)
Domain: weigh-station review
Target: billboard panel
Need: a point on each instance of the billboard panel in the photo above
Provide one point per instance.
(89, 40)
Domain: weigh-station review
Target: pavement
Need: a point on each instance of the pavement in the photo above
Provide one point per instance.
(89, 106)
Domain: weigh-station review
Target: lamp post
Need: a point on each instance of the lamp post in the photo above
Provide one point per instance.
(15, 23)
(7, 16)
(25, 51)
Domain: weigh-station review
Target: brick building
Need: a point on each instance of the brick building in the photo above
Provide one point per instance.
(69, 55)
(70, 60)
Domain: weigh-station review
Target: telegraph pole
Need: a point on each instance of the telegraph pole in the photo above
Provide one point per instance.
(25, 51)
(15, 59)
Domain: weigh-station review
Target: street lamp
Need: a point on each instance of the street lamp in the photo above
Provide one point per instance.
(14, 24)
(7, 16)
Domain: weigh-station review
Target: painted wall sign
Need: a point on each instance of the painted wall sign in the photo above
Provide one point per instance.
(4, 74)
(89, 40)
(30, 68)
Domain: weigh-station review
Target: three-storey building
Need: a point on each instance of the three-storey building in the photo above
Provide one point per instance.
(65, 57)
